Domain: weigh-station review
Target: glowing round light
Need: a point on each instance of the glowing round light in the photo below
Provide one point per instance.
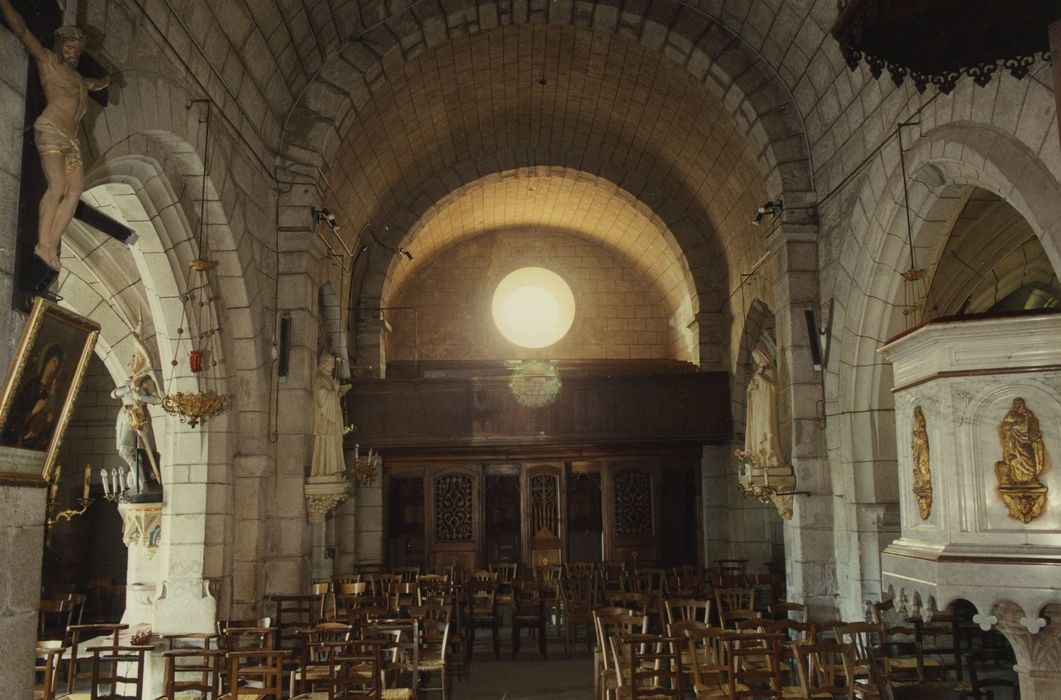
(533, 307)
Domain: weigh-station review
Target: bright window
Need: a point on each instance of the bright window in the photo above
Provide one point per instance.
(533, 307)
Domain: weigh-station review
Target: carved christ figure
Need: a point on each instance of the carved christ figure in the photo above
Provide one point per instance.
(328, 426)
(55, 131)
(1023, 451)
(761, 432)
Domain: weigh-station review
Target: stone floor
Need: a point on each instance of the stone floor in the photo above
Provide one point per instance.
(527, 677)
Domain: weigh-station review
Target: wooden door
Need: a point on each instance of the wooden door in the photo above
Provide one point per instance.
(543, 508)
(632, 511)
(455, 516)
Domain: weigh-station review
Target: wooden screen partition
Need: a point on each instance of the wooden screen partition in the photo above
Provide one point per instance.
(455, 519)
(469, 511)
(543, 504)
(632, 511)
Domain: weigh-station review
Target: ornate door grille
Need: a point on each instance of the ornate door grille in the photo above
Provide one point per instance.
(633, 503)
(453, 508)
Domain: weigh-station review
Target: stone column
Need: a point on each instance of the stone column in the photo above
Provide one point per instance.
(22, 551)
(810, 564)
(1038, 653)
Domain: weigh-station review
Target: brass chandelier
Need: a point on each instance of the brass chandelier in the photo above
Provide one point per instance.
(203, 341)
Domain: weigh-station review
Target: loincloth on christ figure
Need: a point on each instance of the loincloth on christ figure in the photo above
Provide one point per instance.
(49, 138)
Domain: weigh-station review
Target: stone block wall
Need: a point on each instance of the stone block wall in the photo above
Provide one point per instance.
(21, 509)
(618, 314)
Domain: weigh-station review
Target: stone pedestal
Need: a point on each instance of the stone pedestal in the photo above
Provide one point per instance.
(141, 534)
(323, 493)
(968, 540)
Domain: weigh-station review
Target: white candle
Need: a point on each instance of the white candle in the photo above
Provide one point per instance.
(357, 452)
(88, 477)
(104, 475)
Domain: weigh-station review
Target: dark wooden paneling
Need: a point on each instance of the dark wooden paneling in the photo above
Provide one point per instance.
(591, 408)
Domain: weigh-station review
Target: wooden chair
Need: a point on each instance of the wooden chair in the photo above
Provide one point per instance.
(506, 573)
(784, 610)
(190, 640)
(730, 618)
(434, 647)
(482, 612)
(581, 568)
(54, 616)
(863, 636)
(77, 654)
(294, 612)
(528, 611)
(408, 574)
(727, 599)
(688, 609)
(609, 623)
(117, 672)
(823, 670)
(256, 673)
(401, 656)
(192, 670)
(925, 691)
(47, 666)
(612, 574)
(981, 686)
(706, 656)
(78, 601)
(355, 672)
(754, 666)
(648, 666)
(579, 597)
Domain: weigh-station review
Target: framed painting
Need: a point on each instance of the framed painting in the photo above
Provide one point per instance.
(40, 391)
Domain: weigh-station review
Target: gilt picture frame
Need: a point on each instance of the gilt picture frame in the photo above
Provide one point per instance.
(40, 391)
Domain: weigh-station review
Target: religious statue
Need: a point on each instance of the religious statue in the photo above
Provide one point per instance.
(1024, 458)
(55, 130)
(922, 471)
(133, 425)
(328, 428)
(761, 428)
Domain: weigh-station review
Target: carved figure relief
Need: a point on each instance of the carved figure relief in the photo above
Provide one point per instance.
(922, 470)
(1024, 459)
(544, 503)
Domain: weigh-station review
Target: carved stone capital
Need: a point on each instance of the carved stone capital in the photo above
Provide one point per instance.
(1037, 646)
(323, 493)
(141, 525)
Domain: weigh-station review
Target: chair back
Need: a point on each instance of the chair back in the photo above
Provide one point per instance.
(117, 673)
(192, 670)
(653, 665)
(754, 665)
(505, 571)
(408, 574)
(54, 617)
(256, 673)
(731, 618)
(357, 672)
(825, 668)
(734, 599)
(581, 568)
(784, 610)
(49, 653)
(79, 634)
(687, 609)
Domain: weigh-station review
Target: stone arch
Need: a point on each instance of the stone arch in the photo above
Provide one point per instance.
(716, 56)
(870, 297)
(649, 244)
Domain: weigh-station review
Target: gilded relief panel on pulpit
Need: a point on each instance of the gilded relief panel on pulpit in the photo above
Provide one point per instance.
(1024, 459)
(922, 469)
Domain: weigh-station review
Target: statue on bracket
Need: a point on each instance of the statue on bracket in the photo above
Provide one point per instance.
(761, 429)
(55, 130)
(922, 470)
(133, 432)
(770, 478)
(1024, 458)
(328, 427)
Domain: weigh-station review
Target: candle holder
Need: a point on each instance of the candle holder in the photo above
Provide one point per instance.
(54, 514)
(366, 470)
(117, 483)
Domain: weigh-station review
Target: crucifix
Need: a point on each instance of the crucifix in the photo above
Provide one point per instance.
(57, 174)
